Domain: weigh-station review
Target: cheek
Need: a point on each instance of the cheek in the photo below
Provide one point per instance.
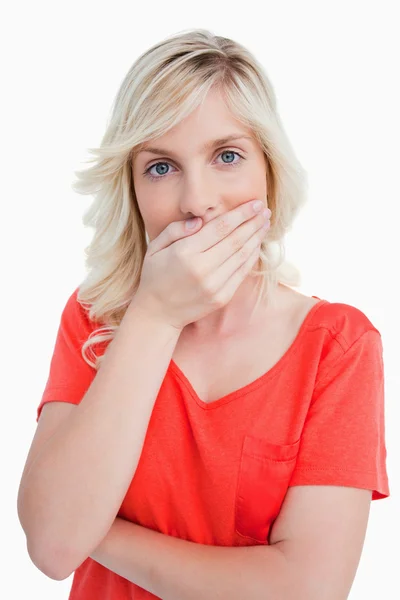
(248, 186)
(156, 219)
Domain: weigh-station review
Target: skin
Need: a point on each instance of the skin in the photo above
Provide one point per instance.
(195, 183)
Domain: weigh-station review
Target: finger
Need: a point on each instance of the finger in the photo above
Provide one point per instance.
(221, 275)
(236, 242)
(173, 232)
(216, 230)
(226, 292)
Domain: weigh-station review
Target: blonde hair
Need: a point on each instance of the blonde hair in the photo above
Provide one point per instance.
(163, 86)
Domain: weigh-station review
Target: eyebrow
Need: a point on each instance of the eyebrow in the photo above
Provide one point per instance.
(204, 148)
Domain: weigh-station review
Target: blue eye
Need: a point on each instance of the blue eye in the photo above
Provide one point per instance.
(161, 176)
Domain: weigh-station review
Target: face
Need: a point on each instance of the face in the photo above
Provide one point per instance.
(187, 176)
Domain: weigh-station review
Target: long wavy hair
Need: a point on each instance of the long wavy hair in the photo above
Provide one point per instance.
(163, 86)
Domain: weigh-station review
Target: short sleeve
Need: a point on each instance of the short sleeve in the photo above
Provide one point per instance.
(69, 374)
(343, 438)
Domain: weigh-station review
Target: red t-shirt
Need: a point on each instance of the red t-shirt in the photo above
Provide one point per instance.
(217, 473)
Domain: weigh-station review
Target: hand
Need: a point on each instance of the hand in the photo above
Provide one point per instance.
(185, 278)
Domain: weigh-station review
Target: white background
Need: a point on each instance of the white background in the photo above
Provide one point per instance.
(335, 70)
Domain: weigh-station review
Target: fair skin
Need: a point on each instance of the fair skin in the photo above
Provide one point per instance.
(191, 182)
(316, 541)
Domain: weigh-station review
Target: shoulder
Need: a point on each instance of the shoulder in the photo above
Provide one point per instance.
(343, 335)
(75, 310)
(338, 321)
(75, 322)
(342, 322)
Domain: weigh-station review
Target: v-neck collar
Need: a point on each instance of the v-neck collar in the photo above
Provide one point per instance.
(256, 383)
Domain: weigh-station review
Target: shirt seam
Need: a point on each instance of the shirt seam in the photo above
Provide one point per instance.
(322, 379)
(336, 469)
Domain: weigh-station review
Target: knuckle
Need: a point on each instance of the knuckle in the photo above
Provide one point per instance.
(208, 289)
(219, 300)
(245, 252)
(222, 226)
(198, 271)
(236, 243)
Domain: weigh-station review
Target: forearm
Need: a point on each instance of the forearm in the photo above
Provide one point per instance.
(176, 569)
(97, 449)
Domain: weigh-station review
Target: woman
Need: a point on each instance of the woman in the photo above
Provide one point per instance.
(206, 431)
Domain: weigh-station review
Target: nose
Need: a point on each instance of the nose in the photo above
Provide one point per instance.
(197, 201)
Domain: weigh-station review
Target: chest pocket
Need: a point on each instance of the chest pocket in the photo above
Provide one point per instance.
(264, 474)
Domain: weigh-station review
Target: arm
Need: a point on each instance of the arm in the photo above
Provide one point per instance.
(176, 569)
(97, 448)
(315, 548)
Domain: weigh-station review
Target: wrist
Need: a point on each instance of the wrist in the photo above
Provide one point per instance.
(144, 307)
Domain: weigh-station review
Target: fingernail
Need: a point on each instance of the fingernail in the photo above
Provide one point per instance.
(257, 205)
(191, 223)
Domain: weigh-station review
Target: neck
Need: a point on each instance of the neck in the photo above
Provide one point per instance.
(233, 318)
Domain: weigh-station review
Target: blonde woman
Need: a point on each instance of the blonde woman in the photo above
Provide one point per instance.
(206, 431)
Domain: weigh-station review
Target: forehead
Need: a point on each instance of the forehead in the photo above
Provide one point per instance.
(204, 147)
(209, 125)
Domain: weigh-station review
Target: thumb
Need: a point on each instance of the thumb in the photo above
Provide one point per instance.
(192, 224)
(173, 233)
